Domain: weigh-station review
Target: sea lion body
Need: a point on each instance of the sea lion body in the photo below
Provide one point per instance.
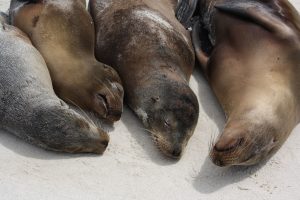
(252, 62)
(152, 52)
(29, 107)
(63, 31)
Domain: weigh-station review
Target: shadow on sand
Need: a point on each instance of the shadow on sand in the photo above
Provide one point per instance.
(213, 178)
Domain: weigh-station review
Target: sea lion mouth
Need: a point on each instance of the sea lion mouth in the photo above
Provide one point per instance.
(242, 153)
(171, 151)
(93, 140)
(256, 155)
(228, 151)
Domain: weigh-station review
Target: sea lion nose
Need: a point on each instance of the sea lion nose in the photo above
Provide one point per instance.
(100, 143)
(114, 115)
(177, 152)
(105, 143)
(227, 144)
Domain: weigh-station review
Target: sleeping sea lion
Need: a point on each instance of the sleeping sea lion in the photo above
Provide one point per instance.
(63, 31)
(250, 53)
(153, 54)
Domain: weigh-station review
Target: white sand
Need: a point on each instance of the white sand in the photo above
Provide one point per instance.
(132, 167)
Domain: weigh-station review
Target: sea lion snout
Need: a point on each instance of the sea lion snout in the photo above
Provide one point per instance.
(108, 101)
(168, 147)
(170, 115)
(244, 143)
(177, 151)
(95, 141)
(101, 142)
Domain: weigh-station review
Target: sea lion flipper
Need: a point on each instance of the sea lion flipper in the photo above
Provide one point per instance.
(200, 54)
(256, 13)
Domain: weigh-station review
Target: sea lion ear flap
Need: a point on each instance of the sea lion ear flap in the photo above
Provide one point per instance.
(257, 13)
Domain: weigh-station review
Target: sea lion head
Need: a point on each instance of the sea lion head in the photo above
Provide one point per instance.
(244, 143)
(70, 131)
(107, 92)
(95, 140)
(170, 113)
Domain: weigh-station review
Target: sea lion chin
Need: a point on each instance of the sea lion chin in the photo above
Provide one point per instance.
(63, 31)
(155, 59)
(250, 53)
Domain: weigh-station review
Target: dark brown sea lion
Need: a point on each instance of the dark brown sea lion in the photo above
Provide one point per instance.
(250, 53)
(63, 31)
(153, 54)
(29, 107)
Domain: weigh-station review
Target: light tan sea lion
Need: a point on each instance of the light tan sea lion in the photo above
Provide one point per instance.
(250, 53)
(63, 31)
(153, 54)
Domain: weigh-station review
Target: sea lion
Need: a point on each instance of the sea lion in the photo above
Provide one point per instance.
(153, 54)
(250, 53)
(63, 31)
(29, 107)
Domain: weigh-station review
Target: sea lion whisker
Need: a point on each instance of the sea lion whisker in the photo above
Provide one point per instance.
(110, 82)
(147, 130)
(86, 115)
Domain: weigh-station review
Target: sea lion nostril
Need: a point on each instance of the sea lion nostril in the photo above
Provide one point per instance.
(228, 144)
(177, 152)
(105, 143)
(219, 163)
(117, 113)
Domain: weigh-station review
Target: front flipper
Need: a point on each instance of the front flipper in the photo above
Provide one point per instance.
(257, 13)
